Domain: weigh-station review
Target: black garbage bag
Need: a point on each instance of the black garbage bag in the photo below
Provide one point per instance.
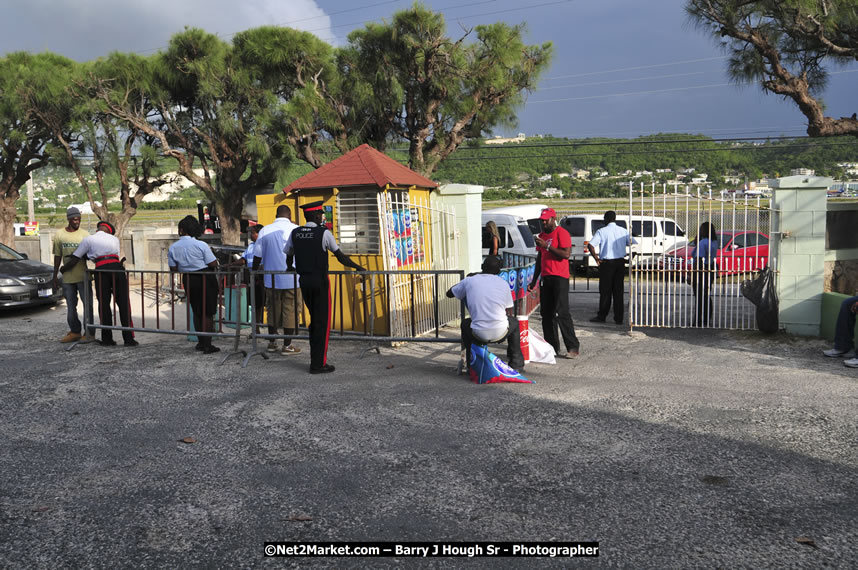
(761, 292)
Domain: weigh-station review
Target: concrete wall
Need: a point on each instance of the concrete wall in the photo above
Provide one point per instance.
(798, 249)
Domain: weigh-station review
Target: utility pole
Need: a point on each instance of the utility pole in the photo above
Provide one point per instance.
(31, 216)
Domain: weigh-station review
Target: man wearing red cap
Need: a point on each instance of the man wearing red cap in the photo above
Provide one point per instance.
(110, 279)
(554, 246)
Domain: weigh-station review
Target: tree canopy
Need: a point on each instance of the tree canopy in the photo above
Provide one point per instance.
(785, 45)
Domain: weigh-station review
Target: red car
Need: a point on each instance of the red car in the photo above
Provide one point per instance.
(741, 251)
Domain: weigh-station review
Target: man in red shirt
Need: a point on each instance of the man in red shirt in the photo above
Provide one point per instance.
(553, 246)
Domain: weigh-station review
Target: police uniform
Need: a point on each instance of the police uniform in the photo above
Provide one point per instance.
(110, 279)
(309, 244)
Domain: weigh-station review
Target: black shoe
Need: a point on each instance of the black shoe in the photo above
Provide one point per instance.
(597, 320)
(103, 342)
(618, 322)
(200, 347)
(131, 342)
(324, 369)
(210, 350)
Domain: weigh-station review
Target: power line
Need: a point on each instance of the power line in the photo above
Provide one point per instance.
(646, 152)
(625, 142)
(638, 67)
(622, 80)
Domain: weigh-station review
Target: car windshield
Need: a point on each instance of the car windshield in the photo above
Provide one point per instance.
(9, 254)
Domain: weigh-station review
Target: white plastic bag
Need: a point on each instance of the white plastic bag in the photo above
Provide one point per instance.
(540, 350)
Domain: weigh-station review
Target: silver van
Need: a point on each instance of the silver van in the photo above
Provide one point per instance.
(514, 232)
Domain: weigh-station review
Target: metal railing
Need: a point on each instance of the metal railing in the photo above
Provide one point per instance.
(361, 307)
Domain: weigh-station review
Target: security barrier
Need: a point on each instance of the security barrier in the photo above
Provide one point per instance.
(362, 306)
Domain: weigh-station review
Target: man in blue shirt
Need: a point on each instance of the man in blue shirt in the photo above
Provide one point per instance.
(282, 295)
(611, 241)
(194, 259)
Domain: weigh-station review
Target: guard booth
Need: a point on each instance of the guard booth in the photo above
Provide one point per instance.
(379, 212)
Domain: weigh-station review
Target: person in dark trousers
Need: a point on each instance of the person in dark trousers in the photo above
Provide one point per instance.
(309, 245)
(110, 279)
(844, 333)
(704, 272)
(195, 260)
(611, 241)
(554, 246)
(254, 280)
(490, 305)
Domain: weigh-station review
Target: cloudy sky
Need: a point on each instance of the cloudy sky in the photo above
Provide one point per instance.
(622, 67)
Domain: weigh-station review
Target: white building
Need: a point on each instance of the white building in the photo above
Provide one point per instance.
(802, 172)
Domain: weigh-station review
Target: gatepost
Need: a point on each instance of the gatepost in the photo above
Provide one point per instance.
(798, 250)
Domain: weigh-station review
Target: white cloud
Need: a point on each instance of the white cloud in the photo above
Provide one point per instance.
(86, 29)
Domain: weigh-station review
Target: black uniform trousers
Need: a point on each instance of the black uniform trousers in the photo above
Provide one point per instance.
(316, 291)
(202, 291)
(554, 309)
(514, 356)
(611, 275)
(108, 284)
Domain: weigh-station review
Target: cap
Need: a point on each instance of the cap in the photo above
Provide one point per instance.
(108, 227)
(547, 214)
(312, 206)
(72, 212)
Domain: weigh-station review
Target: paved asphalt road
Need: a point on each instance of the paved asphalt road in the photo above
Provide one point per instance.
(672, 448)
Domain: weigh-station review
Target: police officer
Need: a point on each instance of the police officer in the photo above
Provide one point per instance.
(110, 279)
(309, 245)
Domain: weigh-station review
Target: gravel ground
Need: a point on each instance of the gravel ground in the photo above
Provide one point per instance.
(672, 448)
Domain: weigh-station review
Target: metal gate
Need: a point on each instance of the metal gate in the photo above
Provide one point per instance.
(667, 287)
(417, 238)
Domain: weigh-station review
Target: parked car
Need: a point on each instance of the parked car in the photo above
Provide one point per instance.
(24, 282)
(741, 251)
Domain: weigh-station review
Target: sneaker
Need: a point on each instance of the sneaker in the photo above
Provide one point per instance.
(324, 369)
(289, 349)
(851, 363)
(87, 339)
(272, 346)
(71, 337)
(834, 353)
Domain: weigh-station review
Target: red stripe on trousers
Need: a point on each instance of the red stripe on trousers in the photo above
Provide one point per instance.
(328, 323)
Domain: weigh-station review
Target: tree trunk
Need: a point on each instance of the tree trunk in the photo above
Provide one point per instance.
(7, 221)
(230, 222)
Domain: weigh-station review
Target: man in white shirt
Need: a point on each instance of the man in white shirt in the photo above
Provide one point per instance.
(489, 301)
(110, 279)
(612, 241)
(282, 295)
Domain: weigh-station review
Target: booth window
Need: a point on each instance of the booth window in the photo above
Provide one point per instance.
(357, 222)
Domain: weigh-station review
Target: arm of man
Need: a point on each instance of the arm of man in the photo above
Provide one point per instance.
(57, 262)
(346, 261)
(331, 245)
(563, 247)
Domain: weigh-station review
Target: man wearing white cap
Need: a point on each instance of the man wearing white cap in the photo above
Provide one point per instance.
(75, 286)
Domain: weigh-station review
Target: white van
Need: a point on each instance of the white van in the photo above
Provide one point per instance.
(529, 212)
(514, 232)
(654, 235)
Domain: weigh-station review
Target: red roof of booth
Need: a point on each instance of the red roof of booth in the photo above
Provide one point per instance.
(363, 166)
